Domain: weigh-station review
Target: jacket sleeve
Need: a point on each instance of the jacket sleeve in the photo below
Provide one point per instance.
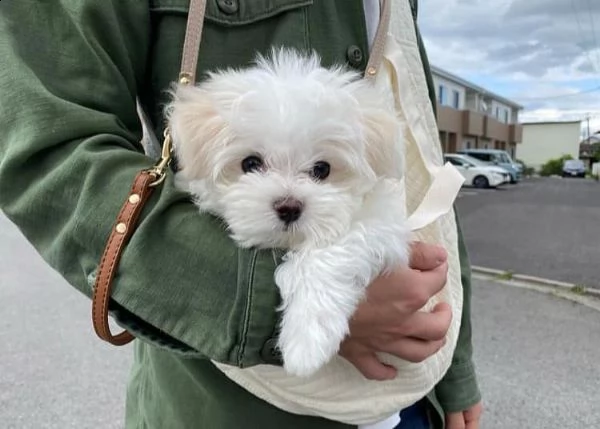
(458, 390)
(68, 154)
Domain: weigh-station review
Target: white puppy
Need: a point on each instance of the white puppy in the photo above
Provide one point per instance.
(297, 156)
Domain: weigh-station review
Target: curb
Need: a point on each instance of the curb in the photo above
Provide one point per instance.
(509, 277)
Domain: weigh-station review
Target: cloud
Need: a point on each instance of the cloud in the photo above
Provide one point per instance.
(544, 54)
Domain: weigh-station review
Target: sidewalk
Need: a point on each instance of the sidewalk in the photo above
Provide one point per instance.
(538, 359)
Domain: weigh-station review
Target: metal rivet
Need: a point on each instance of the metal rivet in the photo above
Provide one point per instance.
(134, 198)
(371, 71)
(121, 228)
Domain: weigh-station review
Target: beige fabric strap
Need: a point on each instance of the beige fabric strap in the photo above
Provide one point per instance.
(378, 47)
(191, 45)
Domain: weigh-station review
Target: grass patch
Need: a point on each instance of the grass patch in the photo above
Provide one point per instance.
(579, 289)
(506, 275)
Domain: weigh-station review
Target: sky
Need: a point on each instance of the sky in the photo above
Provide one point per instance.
(543, 54)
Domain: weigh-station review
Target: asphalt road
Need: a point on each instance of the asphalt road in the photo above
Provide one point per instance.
(546, 227)
(536, 354)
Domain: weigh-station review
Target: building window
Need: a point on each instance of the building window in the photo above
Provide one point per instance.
(455, 99)
(442, 95)
(506, 116)
(497, 113)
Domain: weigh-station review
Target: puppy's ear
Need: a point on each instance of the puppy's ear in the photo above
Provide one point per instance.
(382, 131)
(382, 128)
(196, 126)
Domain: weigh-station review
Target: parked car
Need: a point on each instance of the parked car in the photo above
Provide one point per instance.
(478, 173)
(500, 158)
(573, 168)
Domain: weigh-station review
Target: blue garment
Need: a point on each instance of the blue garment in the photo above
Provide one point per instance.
(414, 417)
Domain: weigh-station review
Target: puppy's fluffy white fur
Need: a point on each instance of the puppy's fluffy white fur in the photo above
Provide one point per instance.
(287, 131)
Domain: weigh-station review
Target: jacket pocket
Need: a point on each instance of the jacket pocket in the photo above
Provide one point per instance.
(232, 12)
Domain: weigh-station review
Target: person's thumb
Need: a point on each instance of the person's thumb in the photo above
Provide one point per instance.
(425, 257)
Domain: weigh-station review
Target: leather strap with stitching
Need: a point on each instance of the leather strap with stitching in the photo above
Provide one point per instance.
(376, 55)
(191, 44)
(119, 236)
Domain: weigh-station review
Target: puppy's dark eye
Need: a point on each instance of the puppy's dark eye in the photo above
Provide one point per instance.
(320, 170)
(252, 163)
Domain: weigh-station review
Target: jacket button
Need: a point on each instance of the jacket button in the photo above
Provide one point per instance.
(354, 55)
(228, 6)
(270, 354)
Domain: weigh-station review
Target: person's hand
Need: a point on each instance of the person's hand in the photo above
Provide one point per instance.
(389, 320)
(468, 419)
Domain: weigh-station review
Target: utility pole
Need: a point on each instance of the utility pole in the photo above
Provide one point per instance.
(588, 129)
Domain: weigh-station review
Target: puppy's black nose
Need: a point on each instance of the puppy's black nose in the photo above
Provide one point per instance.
(288, 209)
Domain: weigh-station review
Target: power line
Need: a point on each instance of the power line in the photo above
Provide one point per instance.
(582, 35)
(553, 97)
(591, 15)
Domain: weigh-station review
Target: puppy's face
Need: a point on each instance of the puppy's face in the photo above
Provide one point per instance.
(285, 151)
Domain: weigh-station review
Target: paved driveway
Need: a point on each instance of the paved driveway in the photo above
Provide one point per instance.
(547, 227)
(536, 354)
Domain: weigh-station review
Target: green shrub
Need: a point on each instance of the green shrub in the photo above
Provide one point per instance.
(554, 166)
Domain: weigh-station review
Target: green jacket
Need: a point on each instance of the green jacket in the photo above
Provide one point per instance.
(69, 149)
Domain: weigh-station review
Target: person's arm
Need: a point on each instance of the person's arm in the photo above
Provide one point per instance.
(458, 390)
(69, 150)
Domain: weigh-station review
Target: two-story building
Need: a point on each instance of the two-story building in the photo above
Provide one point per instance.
(470, 116)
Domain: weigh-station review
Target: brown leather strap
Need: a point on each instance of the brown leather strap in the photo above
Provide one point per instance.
(378, 47)
(191, 45)
(119, 236)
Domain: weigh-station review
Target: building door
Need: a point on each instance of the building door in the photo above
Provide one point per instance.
(452, 143)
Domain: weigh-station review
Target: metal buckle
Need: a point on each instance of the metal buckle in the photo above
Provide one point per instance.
(159, 170)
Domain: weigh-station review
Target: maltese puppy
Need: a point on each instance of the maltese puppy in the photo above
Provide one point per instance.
(296, 156)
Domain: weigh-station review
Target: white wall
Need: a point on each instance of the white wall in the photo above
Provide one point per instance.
(472, 101)
(468, 143)
(545, 141)
(485, 143)
(449, 88)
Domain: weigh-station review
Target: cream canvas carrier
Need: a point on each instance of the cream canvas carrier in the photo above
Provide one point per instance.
(338, 391)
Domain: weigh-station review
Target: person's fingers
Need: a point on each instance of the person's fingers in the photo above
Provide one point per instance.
(411, 349)
(472, 424)
(370, 366)
(425, 256)
(473, 416)
(455, 421)
(428, 326)
(415, 288)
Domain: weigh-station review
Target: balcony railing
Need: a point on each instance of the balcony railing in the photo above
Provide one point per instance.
(476, 124)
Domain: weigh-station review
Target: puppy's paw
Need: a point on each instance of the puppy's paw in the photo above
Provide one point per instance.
(310, 340)
(318, 300)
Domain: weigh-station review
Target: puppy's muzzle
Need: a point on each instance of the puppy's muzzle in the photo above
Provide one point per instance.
(288, 209)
